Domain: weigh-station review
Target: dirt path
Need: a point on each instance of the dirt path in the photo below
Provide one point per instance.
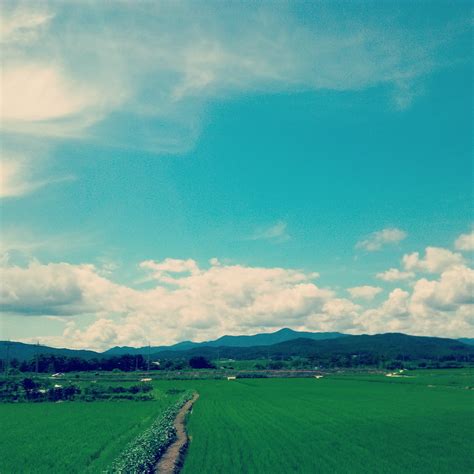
(169, 461)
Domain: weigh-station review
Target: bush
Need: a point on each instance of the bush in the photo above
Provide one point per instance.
(141, 455)
(199, 362)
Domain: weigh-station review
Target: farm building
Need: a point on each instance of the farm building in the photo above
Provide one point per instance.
(146, 379)
(231, 378)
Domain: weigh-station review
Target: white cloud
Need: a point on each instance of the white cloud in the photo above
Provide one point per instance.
(276, 232)
(14, 178)
(381, 238)
(19, 175)
(208, 302)
(200, 53)
(39, 92)
(161, 270)
(55, 289)
(394, 274)
(65, 75)
(455, 287)
(365, 292)
(442, 307)
(191, 302)
(21, 24)
(436, 260)
(465, 242)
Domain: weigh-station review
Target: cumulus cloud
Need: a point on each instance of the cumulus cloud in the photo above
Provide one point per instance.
(54, 289)
(436, 260)
(187, 301)
(162, 271)
(465, 242)
(394, 274)
(443, 307)
(365, 292)
(381, 238)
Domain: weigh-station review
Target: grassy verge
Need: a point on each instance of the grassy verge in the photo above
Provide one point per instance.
(141, 455)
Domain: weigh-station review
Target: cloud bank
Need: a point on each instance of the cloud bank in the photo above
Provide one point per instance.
(185, 300)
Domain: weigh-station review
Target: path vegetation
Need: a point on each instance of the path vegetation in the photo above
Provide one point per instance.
(172, 458)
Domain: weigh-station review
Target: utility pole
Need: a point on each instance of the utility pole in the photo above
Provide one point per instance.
(148, 362)
(7, 361)
(36, 358)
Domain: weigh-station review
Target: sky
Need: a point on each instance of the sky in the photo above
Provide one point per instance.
(184, 170)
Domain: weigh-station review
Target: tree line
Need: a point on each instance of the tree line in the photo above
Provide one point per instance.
(45, 363)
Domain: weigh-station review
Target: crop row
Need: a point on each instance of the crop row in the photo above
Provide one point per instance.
(141, 455)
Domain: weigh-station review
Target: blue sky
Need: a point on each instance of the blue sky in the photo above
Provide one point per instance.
(282, 142)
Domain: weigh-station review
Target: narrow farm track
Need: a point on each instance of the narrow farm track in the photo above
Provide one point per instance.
(168, 463)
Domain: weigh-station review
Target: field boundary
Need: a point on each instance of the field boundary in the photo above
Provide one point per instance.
(141, 455)
(173, 458)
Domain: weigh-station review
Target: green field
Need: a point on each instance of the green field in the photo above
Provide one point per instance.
(70, 437)
(339, 424)
(335, 424)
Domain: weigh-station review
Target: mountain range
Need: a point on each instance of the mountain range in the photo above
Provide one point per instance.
(23, 351)
(262, 339)
(285, 342)
(390, 345)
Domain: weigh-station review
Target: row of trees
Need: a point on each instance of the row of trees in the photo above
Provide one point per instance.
(127, 363)
(45, 363)
(31, 390)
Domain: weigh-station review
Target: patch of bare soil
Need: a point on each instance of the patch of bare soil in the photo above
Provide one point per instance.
(171, 460)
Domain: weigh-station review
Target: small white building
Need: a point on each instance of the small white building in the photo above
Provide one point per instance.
(232, 377)
(146, 379)
(318, 376)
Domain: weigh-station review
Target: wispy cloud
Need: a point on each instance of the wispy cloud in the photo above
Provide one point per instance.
(199, 53)
(24, 244)
(381, 238)
(20, 175)
(77, 76)
(276, 232)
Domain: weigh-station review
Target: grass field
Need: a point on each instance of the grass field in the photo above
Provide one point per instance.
(338, 424)
(70, 437)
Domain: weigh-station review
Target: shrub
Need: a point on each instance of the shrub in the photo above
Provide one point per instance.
(199, 362)
(141, 455)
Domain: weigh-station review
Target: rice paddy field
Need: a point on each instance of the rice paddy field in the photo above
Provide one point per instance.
(339, 424)
(70, 437)
(422, 423)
